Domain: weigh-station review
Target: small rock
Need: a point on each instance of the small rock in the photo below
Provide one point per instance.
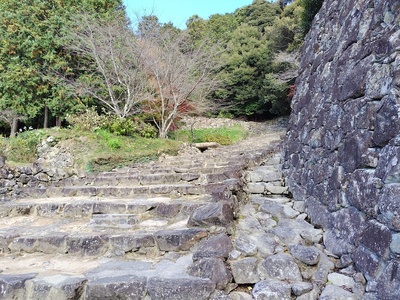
(240, 296)
(308, 255)
(345, 261)
(245, 246)
(271, 290)
(245, 270)
(300, 288)
(341, 280)
(282, 267)
(300, 206)
(234, 254)
(333, 292)
(324, 267)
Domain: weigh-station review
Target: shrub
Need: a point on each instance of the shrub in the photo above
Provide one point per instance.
(23, 147)
(218, 138)
(110, 140)
(88, 120)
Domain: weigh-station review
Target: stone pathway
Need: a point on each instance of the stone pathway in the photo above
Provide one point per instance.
(211, 225)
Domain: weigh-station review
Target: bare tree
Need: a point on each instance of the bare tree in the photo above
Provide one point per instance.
(111, 46)
(180, 75)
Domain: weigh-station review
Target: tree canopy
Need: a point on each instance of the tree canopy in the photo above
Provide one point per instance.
(57, 57)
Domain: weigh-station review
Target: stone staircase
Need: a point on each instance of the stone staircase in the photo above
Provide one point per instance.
(159, 230)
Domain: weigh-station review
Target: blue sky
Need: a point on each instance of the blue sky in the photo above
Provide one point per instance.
(178, 11)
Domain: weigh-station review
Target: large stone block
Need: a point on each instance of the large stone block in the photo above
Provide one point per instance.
(178, 240)
(118, 287)
(318, 213)
(220, 214)
(368, 262)
(14, 286)
(282, 267)
(350, 224)
(377, 237)
(179, 288)
(389, 282)
(387, 123)
(213, 269)
(388, 167)
(362, 191)
(389, 205)
(86, 245)
(56, 287)
(218, 246)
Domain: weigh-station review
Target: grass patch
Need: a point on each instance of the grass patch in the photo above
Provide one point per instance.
(100, 150)
(222, 135)
(92, 151)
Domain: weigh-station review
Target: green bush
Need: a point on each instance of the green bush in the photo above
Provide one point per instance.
(110, 139)
(23, 147)
(88, 120)
(217, 138)
(114, 144)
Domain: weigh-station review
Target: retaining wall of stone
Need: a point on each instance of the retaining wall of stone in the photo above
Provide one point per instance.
(342, 147)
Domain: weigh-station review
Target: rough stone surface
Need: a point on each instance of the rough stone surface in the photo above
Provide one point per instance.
(212, 214)
(341, 152)
(128, 287)
(333, 292)
(245, 271)
(180, 289)
(125, 234)
(213, 269)
(218, 246)
(306, 254)
(272, 290)
(282, 267)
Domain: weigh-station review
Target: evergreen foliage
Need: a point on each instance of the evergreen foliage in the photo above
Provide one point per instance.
(311, 8)
(37, 60)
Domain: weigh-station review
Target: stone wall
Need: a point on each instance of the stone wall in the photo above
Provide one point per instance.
(53, 165)
(342, 147)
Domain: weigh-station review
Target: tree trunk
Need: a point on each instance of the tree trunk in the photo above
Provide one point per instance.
(46, 117)
(58, 121)
(14, 126)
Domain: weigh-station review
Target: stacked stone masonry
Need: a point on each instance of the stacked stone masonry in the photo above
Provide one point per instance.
(342, 148)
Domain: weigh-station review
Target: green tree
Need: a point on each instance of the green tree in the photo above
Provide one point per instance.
(311, 8)
(32, 50)
(260, 13)
(246, 62)
(285, 33)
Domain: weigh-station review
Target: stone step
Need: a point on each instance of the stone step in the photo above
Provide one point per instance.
(79, 239)
(175, 177)
(114, 221)
(78, 207)
(60, 277)
(129, 191)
